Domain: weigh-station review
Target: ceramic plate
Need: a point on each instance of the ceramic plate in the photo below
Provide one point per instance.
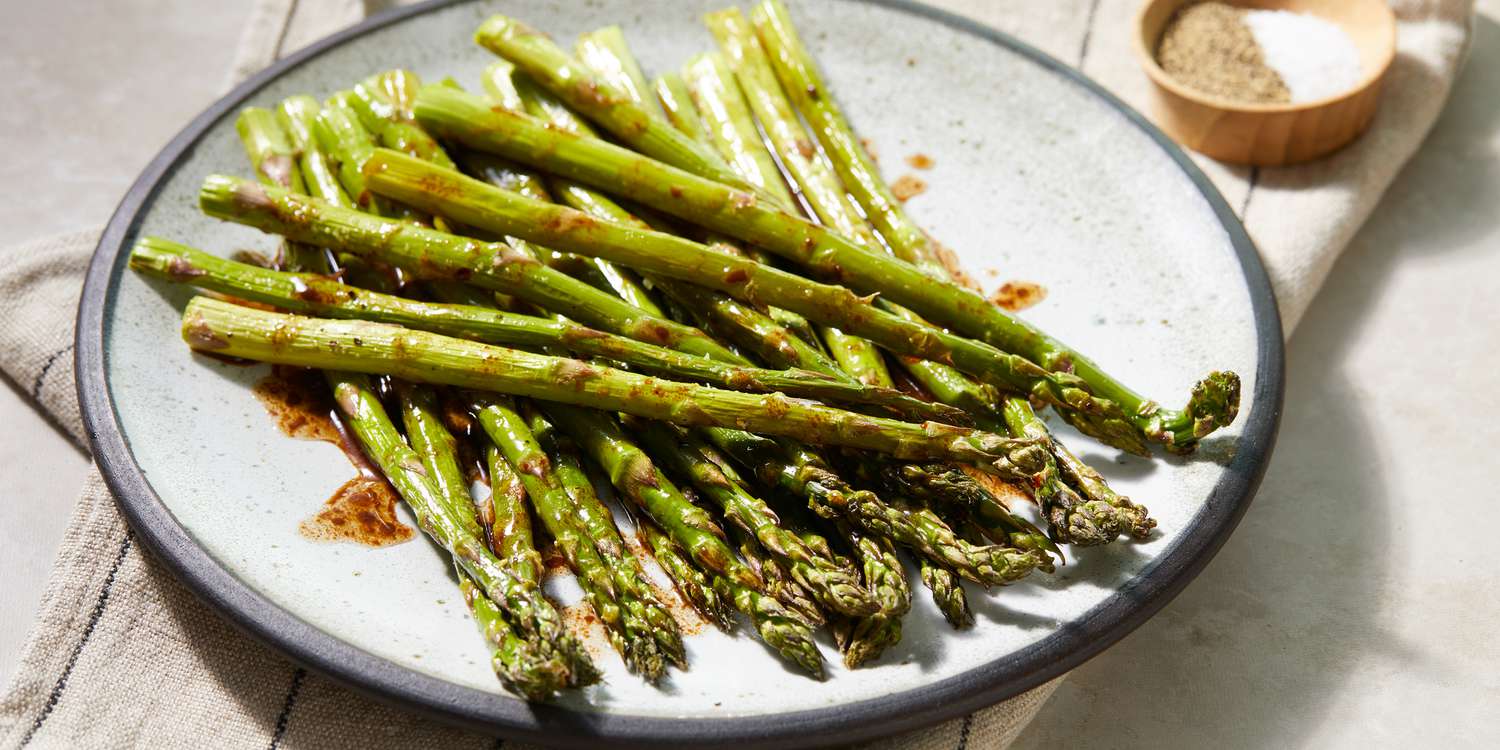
(1039, 175)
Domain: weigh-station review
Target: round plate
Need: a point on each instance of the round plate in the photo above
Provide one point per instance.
(1039, 175)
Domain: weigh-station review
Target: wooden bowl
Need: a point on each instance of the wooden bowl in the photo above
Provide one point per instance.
(1272, 134)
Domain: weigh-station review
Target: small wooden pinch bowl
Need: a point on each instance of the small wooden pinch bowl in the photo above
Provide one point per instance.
(1272, 134)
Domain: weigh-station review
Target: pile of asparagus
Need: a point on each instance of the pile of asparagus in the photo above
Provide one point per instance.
(697, 287)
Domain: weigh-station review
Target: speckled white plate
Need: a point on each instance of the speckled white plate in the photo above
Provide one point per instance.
(1039, 175)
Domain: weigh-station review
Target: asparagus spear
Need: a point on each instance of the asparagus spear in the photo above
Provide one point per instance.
(672, 94)
(362, 346)
(435, 446)
(634, 475)
(507, 91)
(599, 100)
(731, 127)
(630, 632)
(513, 540)
(611, 59)
(688, 456)
(596, 50)
(523, 605)
(485, 206)
(800, 473)
(777, 583)
(696, 586)
(801, 80)
(1072, 520)
(519, 669)
(383, 103)
(794, 149)
(535, 664)
(715, 92)
(947, 593)
(298, 116)
(866, 638)
(781, 630)
(442, 256)
(1134, 517)
(733, 131)
(274, 154)
(269, 149)
(777, 626)
(599, 524)
(324, 297)
(1075, 382)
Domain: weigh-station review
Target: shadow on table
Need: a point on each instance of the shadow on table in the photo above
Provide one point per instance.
(1257, 650)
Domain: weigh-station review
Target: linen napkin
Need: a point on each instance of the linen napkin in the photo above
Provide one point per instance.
(122, 654)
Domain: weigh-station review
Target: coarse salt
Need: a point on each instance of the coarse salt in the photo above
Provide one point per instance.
(1314, 57)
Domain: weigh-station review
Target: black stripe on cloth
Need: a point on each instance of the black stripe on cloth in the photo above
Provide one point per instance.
(1088, 33)
(285, 716)
(963, 732)
(36, 385)
(499, 743)
(1254, 179)
(88, 631)
(286, 26)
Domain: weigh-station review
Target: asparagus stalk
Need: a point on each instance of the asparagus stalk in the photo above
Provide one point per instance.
(506, 90)
(733, 131)
(688, 456)
(270, 151)
(485, 206)
(603, 102)
(794, 149)
(383, 103)
(611, 59)
(324, 297)
(340, 134)
(513, 540)
(731, 127)
(696, 586)
(523, 605)
(634, 475)
(599, 524)
(777, 626)
(629, 631)
(1075, 383)
(362, 346)
(274, 154)
(597, 51)
(752, 330)
(298, 116)
(435, 446)
(777, 583)
(436, 255)
(825, 196)
(676, 101)
(1134, 518)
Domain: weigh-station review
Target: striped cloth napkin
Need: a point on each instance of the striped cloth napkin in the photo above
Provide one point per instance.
(121, 654)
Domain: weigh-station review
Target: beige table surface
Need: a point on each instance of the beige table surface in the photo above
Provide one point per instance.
(1359, 603)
